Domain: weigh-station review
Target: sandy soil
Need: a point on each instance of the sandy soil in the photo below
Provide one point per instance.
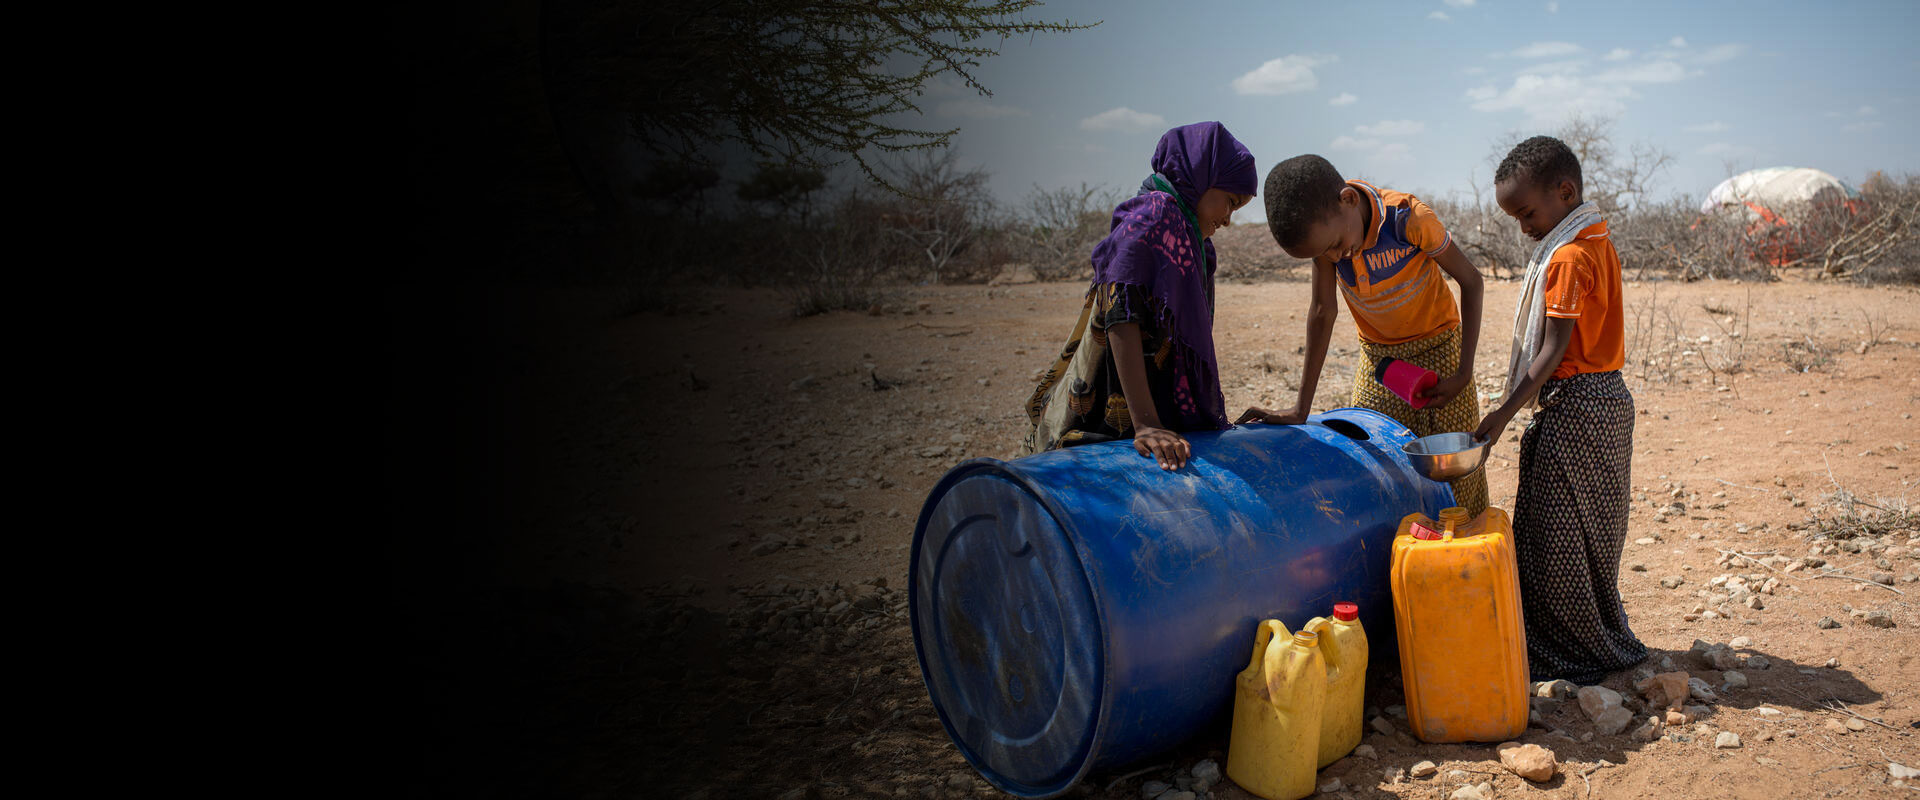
(714, 483)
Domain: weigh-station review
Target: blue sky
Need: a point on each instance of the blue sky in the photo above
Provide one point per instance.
(1412, 95)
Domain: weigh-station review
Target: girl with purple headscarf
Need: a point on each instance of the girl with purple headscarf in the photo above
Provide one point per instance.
(1140, 363)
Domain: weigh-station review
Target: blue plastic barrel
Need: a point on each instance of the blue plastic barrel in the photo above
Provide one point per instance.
(1081, 609)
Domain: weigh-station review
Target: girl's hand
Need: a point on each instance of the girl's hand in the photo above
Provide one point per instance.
(1169, 448)
(1288, 417)
(1492, 427)
(1442, 393)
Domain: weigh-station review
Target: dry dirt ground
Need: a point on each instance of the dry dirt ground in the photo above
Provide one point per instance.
(706, 593)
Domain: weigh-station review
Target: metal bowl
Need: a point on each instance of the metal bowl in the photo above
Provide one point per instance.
(1446, 456)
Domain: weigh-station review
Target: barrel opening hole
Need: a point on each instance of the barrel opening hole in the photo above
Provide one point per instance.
(1347, 429)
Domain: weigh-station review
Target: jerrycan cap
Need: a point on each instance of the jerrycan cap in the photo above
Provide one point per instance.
(1424, 533)
(1346, 612)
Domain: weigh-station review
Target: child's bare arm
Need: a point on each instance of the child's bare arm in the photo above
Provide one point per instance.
(1322, 312)
(1553, 347)
(1149, 438)
(1472, 291)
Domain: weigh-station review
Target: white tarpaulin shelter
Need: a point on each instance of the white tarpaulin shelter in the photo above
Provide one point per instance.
(1779, 193)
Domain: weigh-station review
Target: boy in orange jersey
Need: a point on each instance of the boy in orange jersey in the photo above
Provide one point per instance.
(1576, 458)
(1389, 256)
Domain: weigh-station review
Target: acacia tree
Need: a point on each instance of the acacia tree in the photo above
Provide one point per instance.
(808, 83)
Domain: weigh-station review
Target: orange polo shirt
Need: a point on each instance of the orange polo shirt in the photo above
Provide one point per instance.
(1397, 291)
(1583, 284)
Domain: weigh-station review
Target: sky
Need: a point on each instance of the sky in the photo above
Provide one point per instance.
(1412, 95)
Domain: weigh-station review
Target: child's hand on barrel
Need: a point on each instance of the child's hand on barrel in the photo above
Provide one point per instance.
(1257, 414)
(1169, 448)
(1443, 392)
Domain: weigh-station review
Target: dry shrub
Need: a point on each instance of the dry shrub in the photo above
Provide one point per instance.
(1248, 253)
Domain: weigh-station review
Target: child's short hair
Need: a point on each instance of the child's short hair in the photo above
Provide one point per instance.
(1542, 159)
(1301, 191)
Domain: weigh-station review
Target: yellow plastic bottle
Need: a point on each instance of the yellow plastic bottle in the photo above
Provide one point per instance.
(1463, 643)
(1276, 715)
(1343, 645)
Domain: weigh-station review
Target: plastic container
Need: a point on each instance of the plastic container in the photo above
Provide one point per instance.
(1462, 641)
(1082, 609)
(1278, 703)
(1405, 379)
(1343, 645)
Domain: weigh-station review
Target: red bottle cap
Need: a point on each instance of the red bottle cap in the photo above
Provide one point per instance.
(1346, 611)
(1423, 532)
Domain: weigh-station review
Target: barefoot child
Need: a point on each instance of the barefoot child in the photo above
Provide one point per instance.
(1140, 362)
(1570, 520)
(1387, 252)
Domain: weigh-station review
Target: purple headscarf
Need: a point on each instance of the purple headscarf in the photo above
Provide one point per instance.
(1153, 244)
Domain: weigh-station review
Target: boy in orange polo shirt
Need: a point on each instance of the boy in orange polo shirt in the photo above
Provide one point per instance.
(1390, 257)
(1576, 457)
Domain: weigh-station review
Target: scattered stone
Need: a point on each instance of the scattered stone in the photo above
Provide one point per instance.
(1638, 567)
(1754, 602)
(1699, 690)
(1759, 662)
(1672, 582)
(1732, 680)
(1650, 730)
(1763, 736)
(1596, 700)
(1727, 740)
(1878, 619)
(959, 781)
(1766, 762)
(1179, 795)
(1393, 775)
(1827, 623)
(1612, 721)
(1741, 641)
(1365, 751)
(1458, 775)
(1856, 725)
(1667, 689)
(1153, 789)
(1902, 772)
(1207, 770)
(1555, 689)
(1397, 711)
(1677, 717)
(1470, 793)
(765, 547)
(1834, 726)
(1530, 761)
(1831, 663)
(1331, 785)
(1423, 769)
(1382, 725)
(1768, 712)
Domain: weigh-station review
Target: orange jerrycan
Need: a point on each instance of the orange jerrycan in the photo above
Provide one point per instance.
(1276, 714)
(1343, 645)
(1463, 643)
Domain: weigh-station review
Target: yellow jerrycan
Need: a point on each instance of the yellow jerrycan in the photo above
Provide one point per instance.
(1276, 714)
(1343, 645)
(1463, 643)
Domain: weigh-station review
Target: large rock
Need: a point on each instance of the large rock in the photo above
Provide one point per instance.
(1423, 769)
(1612, 721)
(1530, 761)
(1597, 700)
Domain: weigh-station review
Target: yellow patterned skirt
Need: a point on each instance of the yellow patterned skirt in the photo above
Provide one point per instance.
(1440, 353)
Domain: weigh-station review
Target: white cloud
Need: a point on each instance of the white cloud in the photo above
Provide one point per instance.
(1618, 54)
(1375, 150)
(1350, 143)
(1474, 71)
(1555, 67)
(1726, 150)
(1284, 75)
(1393, 152)
(1553, 8)
(977, 108)
(1715, 126)
(1868, 111)
(1550, 99)
(1460, 3)
(1862, 127)
(1439, 15)
(1655, 72)
(1547, 50)
(1677, 41)
(1123, 119)
(1722, 52)
(1344, 99)
(1392, 127)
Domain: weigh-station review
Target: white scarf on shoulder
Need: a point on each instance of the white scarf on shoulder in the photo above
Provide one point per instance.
(1529, 316)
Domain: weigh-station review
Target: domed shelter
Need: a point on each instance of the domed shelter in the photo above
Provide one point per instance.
(1792, 210)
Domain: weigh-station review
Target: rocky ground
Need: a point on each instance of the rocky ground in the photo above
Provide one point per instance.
(704, 600)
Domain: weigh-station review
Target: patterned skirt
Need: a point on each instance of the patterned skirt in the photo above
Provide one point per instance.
(1440, 353)
(1569, 525)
